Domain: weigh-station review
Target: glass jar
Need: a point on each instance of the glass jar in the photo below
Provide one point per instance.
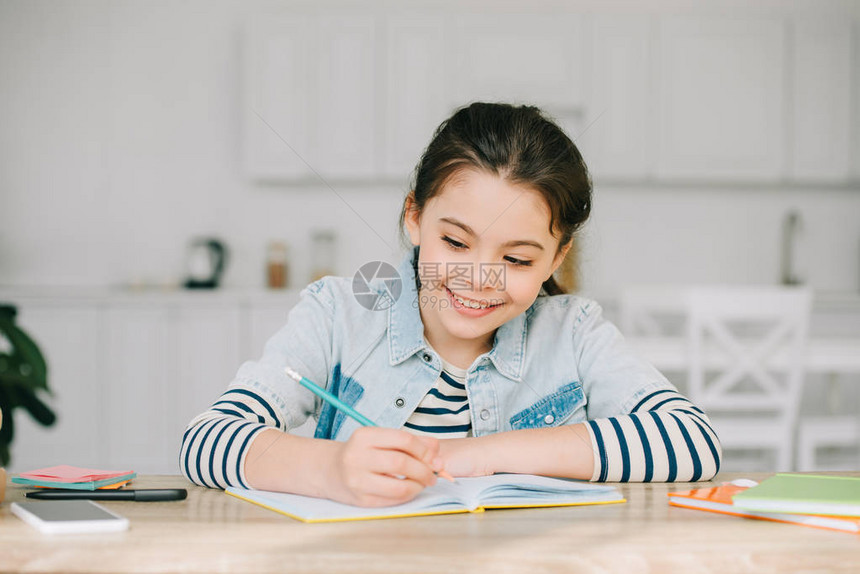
(277, 275)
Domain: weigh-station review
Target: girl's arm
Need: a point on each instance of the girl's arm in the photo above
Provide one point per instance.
(563, 451)
(664, 438)
(239, 441)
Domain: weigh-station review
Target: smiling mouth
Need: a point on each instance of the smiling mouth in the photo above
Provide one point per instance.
(472, 303)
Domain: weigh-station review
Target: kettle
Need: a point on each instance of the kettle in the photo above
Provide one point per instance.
(206, 260)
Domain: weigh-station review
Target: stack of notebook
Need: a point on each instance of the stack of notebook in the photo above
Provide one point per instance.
(65, 476)
(831, 502)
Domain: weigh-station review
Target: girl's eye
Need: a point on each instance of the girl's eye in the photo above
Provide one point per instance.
(518, 262)
(453, 242)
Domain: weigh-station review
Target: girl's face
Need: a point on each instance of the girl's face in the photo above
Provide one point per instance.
(485, 250)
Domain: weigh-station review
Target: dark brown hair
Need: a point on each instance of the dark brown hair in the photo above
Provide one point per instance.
(516, 143)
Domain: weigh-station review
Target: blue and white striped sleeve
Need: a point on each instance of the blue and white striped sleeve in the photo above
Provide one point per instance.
(216, 442)
(665, 438)
(261, 396)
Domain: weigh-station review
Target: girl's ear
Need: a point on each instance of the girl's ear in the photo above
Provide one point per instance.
(411, 219)
(559, 258)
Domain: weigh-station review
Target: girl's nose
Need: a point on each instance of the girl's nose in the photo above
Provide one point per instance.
(490, 276)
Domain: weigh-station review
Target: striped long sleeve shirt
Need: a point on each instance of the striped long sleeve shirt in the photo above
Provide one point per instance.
(665, 438)
(215, 442)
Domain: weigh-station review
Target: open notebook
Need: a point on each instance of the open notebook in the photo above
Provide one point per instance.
(467, 495)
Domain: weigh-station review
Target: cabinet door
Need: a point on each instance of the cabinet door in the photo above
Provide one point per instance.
(347, 97)
(139, 392)
(415, 87)
(855, 120)
(618, 141)
(278, 89)
(822, 101)
(264, 320)
(722, 110)
(206, 357)
(521, 58)
(69, 339)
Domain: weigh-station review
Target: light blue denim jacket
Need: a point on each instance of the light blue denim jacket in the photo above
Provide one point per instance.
(560, 362)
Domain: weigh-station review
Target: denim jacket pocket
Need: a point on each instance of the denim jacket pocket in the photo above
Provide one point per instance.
(552, 410)
(349, 391)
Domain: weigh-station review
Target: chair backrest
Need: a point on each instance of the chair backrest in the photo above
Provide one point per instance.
(746, 347)
(652, 310)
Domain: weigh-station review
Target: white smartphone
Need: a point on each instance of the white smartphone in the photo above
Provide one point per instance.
(66, 516)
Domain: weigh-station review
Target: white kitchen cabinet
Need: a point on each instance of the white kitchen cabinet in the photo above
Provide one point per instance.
(70, 339)
(310, 97)
(265, 316)
(277, 105)
(128, 371)
(821, 93)
(521, 58)
(346, 116)
(618, 143)
(855, 111)
(532, 58)
(139, 389)
(415, 90)
(721, 99)
(353, 96)
(206, 357)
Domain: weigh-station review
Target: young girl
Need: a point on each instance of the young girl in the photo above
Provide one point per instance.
(481, 365)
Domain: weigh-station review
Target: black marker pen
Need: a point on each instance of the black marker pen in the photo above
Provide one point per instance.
(144, 495)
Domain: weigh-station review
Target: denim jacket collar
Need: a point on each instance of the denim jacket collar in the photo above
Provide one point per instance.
(406, 330)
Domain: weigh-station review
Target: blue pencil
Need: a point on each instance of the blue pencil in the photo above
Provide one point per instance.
(340, 405)
(329, 398)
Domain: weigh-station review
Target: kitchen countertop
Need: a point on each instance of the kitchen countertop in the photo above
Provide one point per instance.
(153, 295)
(823, 300)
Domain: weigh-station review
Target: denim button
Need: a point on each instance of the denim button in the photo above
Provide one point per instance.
(399, 402)
(485, 414)
(549, 419)
(427, 358)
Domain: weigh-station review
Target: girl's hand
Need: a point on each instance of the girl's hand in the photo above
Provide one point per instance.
(382, 467)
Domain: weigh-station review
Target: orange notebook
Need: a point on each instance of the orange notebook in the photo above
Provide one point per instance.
(719, 499)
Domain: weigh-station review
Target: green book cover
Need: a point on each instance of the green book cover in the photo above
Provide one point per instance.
(803, 494)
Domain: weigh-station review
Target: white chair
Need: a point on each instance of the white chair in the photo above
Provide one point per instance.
(652, 311)
(826, 431)
(745, 351)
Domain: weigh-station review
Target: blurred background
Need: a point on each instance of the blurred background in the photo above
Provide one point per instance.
(141, 139)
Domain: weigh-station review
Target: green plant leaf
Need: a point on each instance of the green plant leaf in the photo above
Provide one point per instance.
(7, 431)
(37, 409)
(25, 365)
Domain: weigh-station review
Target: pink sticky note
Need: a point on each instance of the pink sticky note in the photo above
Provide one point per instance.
(66, 473)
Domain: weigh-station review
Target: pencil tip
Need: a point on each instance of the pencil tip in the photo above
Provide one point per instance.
(447, 476)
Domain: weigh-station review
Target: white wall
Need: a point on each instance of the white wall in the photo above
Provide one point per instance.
(649, 235)
(119, 141)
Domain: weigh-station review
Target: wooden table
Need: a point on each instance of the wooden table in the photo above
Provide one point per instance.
(214, 532)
